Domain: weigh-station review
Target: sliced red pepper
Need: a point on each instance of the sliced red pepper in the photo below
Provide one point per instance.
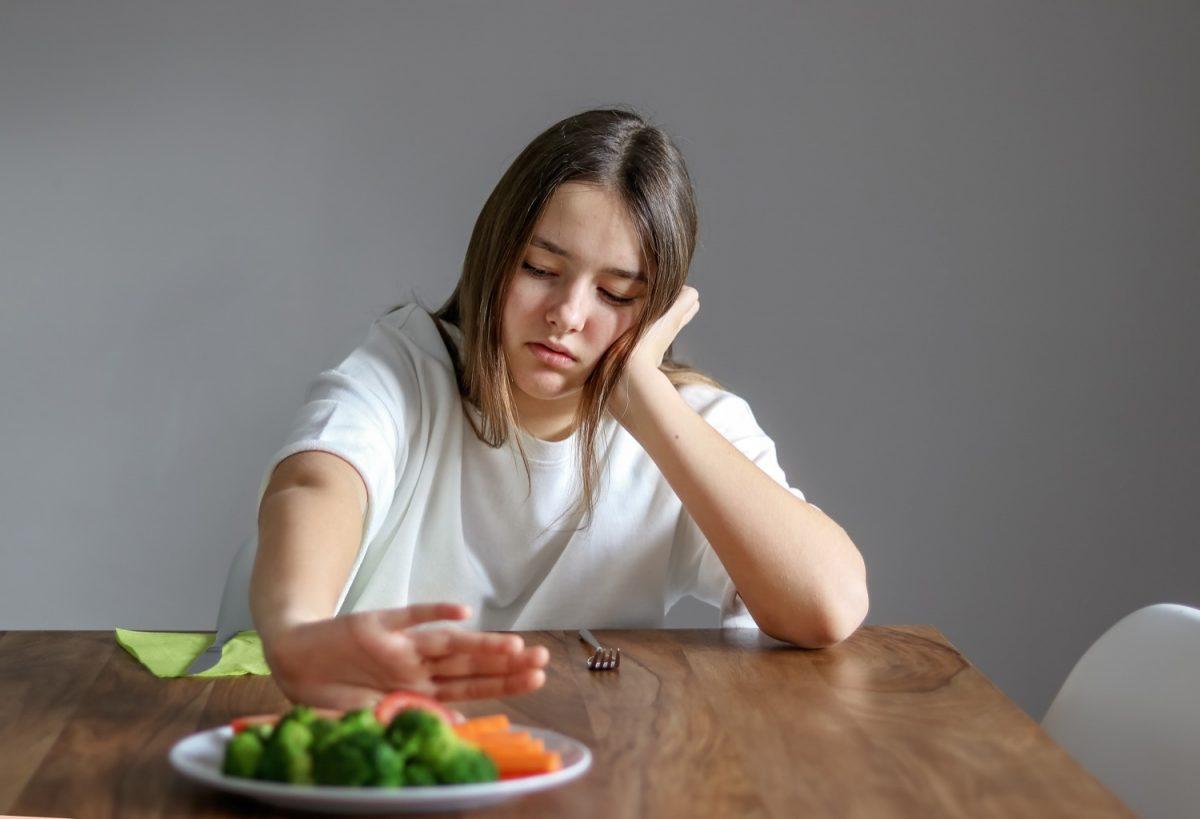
(239, 724)
(397, 701)
(385, 711)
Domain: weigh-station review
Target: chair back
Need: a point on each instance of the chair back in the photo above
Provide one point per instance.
(1130, 711)
(233, 615)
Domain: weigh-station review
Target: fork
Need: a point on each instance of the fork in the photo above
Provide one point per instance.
(602, 658)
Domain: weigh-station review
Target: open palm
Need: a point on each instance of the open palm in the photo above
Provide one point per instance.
(353, 660)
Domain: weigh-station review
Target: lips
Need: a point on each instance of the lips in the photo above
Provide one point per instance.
(548, 345)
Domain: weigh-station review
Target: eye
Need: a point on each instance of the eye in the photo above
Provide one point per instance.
(615, 299)
(612, 298)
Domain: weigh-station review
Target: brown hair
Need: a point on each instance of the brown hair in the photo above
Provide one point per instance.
(615, 150)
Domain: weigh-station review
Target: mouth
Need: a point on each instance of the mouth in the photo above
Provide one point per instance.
(551, 354)
(554, 348)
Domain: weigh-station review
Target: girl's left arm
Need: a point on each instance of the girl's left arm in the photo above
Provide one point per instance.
(801, 577)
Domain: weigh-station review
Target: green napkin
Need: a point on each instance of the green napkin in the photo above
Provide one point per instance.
(169, 653)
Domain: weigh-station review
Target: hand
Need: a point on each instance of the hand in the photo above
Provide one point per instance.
(648, 354)
(352, 661)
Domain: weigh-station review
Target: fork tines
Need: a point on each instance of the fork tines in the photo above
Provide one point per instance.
(604, 659)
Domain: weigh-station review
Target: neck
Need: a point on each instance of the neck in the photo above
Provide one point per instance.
(547, 420)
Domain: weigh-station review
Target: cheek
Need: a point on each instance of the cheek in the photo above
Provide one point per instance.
(623, 323)
(519, 304)
(609, 330)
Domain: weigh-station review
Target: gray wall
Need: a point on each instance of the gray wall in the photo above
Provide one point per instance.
(948, 253)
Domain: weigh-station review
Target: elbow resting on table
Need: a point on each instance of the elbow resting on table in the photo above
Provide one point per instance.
(827, 624)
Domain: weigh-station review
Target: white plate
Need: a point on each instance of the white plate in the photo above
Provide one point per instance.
(199, 757)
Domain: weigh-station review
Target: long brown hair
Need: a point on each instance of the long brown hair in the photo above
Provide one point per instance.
(612, 149)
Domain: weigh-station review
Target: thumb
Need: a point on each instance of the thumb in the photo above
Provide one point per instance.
(406, 616)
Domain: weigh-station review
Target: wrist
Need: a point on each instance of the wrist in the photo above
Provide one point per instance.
(280, 621)
(641, 386)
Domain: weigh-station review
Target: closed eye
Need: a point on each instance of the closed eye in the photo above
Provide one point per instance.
(538, 273)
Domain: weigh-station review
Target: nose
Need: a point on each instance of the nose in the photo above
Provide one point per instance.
(566, 312)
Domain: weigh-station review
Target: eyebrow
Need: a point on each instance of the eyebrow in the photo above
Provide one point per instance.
(546, 244)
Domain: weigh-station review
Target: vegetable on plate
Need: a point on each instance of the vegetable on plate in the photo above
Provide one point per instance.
(406, 740)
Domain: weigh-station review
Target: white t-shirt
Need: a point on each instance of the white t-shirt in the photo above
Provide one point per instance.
(451, 519)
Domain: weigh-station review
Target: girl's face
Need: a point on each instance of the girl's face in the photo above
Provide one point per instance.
(578, 287)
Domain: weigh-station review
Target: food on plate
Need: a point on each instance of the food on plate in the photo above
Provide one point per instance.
(242, 755)
(416, 744)
(239, 724)
(397, 701)
(514, 753)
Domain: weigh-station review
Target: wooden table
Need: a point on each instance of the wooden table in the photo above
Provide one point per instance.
(892, 722)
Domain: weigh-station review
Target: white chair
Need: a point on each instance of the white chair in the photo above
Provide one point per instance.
(1130, 711)
(233, 616)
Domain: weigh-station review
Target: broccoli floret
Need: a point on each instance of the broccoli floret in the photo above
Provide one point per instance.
(262, 731)
(388, 765)
(291, 733)
(301, 714)
(362, 720)
(422, 736)
(321, 729)
(327, 732)
(418, 773)
(243, 754)
(285, 757)
(466, 764)
(341, 762)
(358, 758)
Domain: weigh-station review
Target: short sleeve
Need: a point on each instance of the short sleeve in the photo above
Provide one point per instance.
(359, 411)
(696, 569)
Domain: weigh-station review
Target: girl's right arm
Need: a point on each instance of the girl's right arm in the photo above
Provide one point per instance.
(310, 526)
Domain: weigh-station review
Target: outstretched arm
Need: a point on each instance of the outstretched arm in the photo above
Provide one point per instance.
(801, 577)
(310, 525)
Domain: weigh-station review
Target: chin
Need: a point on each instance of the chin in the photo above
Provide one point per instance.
(545, 386)
(546, 389)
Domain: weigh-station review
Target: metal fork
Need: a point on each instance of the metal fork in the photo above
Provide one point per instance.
(602, 658)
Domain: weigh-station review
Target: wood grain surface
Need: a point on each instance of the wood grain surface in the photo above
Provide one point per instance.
(697, 723)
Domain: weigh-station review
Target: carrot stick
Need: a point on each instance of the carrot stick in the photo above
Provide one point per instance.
(516, 743)
(493, 722)
(516, 757)
(503, 736)
(521, 763)
(515, 753)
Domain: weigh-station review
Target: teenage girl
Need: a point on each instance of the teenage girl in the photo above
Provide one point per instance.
(532, 451)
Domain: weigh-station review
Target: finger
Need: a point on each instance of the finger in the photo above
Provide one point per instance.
(690, 314)
(486, 688)
(480, 665)
(436, 643)
(422, 613)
